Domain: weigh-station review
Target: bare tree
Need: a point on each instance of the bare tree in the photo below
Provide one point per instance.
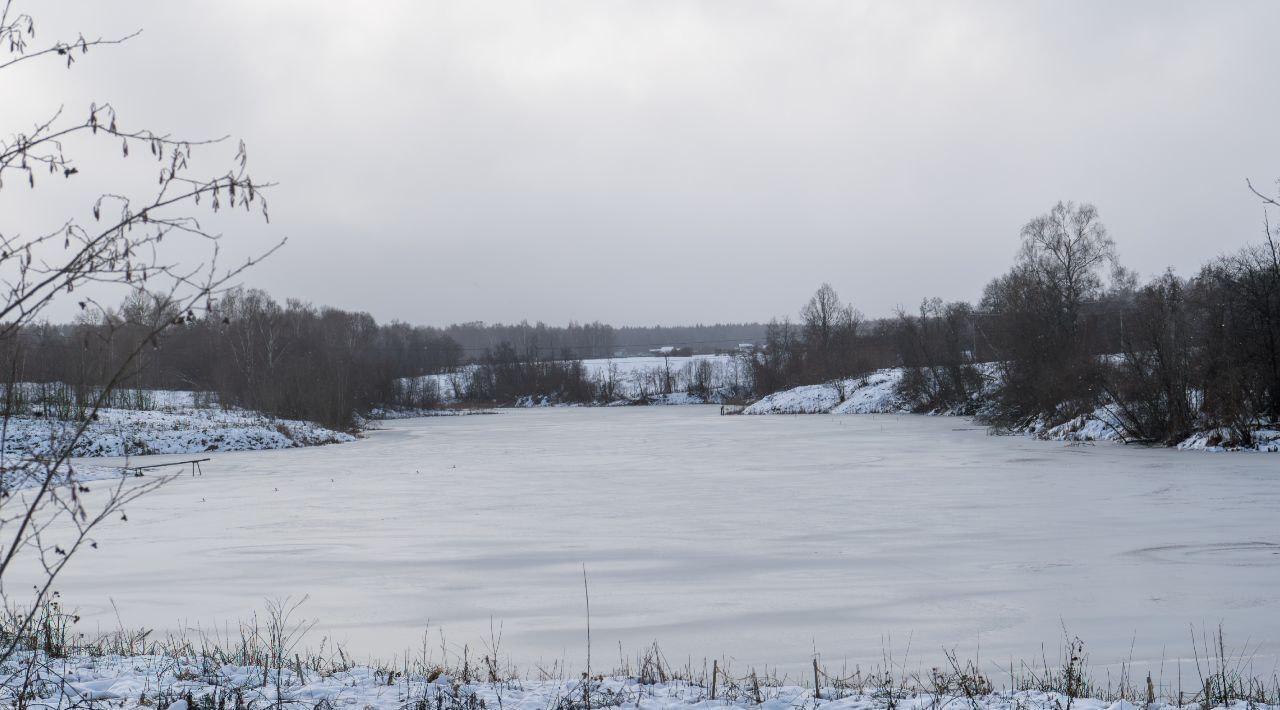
(936, 352)
(1150, 384)
(1241, 358)
(1065, 250)
(830, 332)
(1049, 367)
(45, 516)
(821, 315)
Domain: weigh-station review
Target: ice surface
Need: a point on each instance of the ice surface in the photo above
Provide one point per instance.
(759, 539)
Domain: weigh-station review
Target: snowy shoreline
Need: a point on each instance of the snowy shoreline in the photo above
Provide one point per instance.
(186, 682)
(876, 394)
(176, 423)
(187, 422)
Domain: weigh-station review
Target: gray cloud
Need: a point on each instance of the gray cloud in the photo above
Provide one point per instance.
(640, 162)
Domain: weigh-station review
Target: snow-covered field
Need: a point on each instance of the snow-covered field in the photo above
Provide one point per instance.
(635, 377)
(756, 539)
(632, 366)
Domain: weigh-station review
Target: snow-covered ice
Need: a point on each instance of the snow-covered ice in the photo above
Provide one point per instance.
(757, 538)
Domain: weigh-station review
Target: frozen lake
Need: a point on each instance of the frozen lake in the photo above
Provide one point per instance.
(758, 539)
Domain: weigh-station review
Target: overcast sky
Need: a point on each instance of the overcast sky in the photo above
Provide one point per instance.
(674, 162)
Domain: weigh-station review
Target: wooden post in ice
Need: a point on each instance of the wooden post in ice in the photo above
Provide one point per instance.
(817, 694)
(715, 671)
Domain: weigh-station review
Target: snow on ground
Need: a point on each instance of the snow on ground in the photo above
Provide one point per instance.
(174, 430)
(808, 399)
(47, 397)
(626, 366)
(876, 394)
(173, 400)
(634, 378)
(1102, 425)
(1266, 439)
(642, 377)
(22, 475)
(167, 682)
(873, 394)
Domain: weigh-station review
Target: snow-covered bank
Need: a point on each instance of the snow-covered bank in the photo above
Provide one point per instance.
(175, 429)
(877, 393)
(164, 682)
(873, 394)
(1265, 439)
(1104, 424)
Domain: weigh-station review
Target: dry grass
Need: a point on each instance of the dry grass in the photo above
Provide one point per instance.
(272, 644)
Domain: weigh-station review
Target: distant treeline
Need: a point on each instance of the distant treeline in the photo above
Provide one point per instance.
(324, 364)
(599, 340)
(507, 376)
(1066, 330)
(721, 337)
(292, 360)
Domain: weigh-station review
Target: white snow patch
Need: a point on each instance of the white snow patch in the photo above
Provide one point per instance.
(178, 430)
(872, 394)
(1265, 440)
(808, 399)
(1102, 425)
